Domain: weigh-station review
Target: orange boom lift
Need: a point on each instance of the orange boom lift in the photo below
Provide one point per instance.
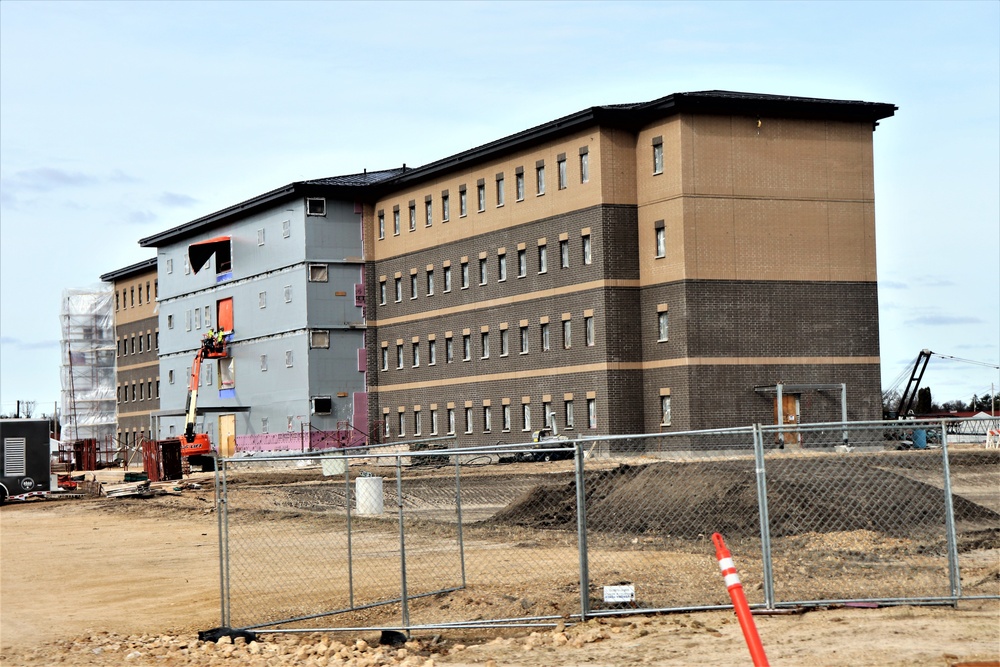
(213, 346)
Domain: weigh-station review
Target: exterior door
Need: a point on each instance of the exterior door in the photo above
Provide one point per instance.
(789, 418)
(227, 435)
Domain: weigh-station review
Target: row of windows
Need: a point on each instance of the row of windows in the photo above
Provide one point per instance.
(127, 297)
(137, 391)
(499, 194)
(127, 346)
(486, 425)
(521, 259)
(484, 341)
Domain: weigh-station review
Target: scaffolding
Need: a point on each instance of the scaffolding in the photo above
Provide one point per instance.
(87, 370)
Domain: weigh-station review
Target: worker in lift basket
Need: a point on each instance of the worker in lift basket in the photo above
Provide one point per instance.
(212, 341)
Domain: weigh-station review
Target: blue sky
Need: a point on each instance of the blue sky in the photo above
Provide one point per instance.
(120, 120)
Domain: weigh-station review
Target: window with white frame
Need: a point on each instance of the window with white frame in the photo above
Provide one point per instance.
(432, 352)
(170, 377)
(316, 206)
(567, 334)
(564, 254)
(485, 336)
(434, 421)
(657, 155)
(412, 208)
(487, 419)
(519, 184)
(540, 177)
(665, 410)
(319, 338)
(463, 202)
(505, 412)
(568, 413)
(588, 329)
(402, 423)
(482, 270)
(449, 350)
(288, 296)
(524, 340)
(587, 257)
(381, 224)
(286, 228)
(445, 207)
(468, 420)
(663, 323)
(428, 212)
(399, 356)
(289, 360)
(543, 262)
(430, 282)
(381, 292)
(561, 171)
(418, 423)
(504, 343)
(591, 413)
(260, 237)
(385, 358)
(525, 416)
(466, 347)
(261, 300)
(500, 193)
(584, 164)
(522, 263)
(501, 267)
(413, 286)
(416, 355)
(661, 239)
(545, 336)
(465, 275)
(451, 421)
(398, 284)
(447, 278)
(395, 221)
(481, 196)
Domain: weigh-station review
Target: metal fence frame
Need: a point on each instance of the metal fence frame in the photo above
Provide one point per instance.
(761, 444)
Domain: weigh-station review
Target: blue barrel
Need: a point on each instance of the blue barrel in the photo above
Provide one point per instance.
(919, 438)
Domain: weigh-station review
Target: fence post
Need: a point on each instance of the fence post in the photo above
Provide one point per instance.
(954, 576)
(404, 602)
(765, 524)
(222, 519)
(581, 533)
(350, 545)
(458, 512)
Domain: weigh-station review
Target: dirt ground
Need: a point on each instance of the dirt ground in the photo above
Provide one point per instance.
(132, 581)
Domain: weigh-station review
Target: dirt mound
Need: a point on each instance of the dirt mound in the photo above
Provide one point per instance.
(693, 499)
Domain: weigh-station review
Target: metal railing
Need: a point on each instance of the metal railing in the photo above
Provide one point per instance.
(419, 535)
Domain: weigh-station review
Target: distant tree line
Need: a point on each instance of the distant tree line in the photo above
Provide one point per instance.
(925, 403)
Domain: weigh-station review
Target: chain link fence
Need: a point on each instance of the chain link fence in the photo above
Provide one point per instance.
(420, 535)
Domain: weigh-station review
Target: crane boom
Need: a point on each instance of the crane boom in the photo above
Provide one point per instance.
(916, 375)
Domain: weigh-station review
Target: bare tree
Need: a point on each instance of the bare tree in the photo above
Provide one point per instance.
(27, 409)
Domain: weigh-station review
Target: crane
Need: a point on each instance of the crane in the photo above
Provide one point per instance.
(909, 394)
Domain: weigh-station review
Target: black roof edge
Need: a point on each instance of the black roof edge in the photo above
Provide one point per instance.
(196, 225)
(632, 117)
(131, 270)
(635, 116)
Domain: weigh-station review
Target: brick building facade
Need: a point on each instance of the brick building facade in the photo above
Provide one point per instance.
(636, 268)
(137, 343)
